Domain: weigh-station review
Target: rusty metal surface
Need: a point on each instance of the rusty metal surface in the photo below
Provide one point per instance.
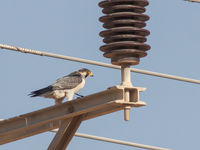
(124, 38)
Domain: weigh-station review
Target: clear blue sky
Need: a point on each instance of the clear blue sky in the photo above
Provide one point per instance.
(171, 118)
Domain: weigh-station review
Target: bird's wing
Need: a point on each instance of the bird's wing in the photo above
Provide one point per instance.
(67, 82)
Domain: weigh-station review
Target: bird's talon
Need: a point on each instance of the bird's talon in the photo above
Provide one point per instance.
(79, 96)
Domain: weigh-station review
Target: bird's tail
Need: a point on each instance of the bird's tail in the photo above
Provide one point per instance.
(41, 91)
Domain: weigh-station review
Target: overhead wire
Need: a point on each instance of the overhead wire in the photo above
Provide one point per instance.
(99, 138)
(42, 53)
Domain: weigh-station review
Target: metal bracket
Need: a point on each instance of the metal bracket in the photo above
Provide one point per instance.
(131, 98)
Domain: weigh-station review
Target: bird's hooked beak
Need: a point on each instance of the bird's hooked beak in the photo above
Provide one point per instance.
(90, 74)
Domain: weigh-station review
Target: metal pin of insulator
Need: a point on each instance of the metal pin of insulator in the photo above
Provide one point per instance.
(125, 36)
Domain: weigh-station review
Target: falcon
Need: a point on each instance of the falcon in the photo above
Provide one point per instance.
(64, 87)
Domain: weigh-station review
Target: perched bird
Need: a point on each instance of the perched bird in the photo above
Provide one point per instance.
(64, 87)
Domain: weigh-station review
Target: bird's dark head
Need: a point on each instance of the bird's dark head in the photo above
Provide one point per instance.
(85, 72)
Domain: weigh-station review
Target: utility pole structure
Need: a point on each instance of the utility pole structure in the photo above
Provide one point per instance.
(124, 44)
(68, 115)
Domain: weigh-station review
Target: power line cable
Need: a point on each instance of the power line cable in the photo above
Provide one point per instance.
(41, 53)
(99, 138)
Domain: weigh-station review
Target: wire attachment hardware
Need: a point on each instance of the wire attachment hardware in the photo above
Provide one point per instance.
(131, 97)
(124, 37)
